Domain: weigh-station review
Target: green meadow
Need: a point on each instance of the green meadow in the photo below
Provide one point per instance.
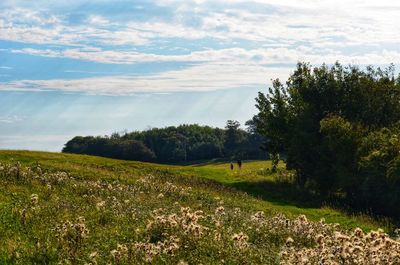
(78, 209)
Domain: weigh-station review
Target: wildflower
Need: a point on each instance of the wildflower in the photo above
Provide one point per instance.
(220, 211)
(289, 241)
(71, 235)
(258, 218)
(217, 236)
(100, 205)
(319, 239)
(34, 199)
(23, 216)
(240, 240)
(116, 254)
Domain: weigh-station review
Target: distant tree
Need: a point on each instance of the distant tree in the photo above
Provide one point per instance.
(77, 145)
(135, 150)
(253, 144)
(233, 138)
(172, 144)
(251, 126)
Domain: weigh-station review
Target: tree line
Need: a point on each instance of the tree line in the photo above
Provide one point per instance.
(173, 144)
(339, 129)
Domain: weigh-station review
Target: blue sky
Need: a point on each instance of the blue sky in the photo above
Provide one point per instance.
(95, 67)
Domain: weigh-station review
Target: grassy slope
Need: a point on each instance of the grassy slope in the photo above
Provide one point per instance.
(252, 189)
(254, 179)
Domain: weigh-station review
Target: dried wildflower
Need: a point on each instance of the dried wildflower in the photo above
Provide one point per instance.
(23, 216)
(100, 205)
(34, 199)
(217, 236)
(151, 250)
(258, 218)
(240, 240)
(319, 239)
(116, 255)
(220, 211)
(340, 247)
(289, 241)
(71, 236)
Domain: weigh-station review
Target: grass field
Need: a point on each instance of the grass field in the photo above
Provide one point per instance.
(74, 209)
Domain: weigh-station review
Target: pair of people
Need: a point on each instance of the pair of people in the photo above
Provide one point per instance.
(239, 163)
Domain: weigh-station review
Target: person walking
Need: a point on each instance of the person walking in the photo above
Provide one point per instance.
(239, 162)
(231, 166)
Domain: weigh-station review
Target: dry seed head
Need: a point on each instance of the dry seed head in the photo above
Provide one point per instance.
(34, 199)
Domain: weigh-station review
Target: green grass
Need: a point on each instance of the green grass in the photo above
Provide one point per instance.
(255, 179)
(130, 204)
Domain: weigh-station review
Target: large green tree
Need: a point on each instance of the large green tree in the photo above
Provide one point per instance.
(321, 120)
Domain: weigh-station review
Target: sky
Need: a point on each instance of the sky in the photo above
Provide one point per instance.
(81, 67)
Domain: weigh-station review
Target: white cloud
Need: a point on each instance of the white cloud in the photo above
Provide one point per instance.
(10, 119)
(355, 22)
(25, 16)
(97, 20)
(23, 25)
(203, 77)
(259, 56)
(351, 21)
(356, 32)
(212, 69)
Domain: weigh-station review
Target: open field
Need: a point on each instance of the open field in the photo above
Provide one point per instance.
(78, 209)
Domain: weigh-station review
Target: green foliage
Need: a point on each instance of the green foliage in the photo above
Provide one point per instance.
(275, 161)
(379, 170)
(110, 147)
(337, 127)
(173, 144)
(233, 138)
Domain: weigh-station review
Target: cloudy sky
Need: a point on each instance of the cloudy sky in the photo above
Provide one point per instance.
(94, 67)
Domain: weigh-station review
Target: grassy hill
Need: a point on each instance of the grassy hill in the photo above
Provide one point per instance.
(78, 209)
